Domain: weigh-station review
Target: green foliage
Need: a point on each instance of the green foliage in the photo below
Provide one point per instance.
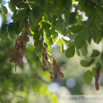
(102, 57)
(76, 29)
(47, 18)
(84, 49)
(94, 71)
(79, 42)
(4, 28)
(36, 11)
(4, 9)
(95, 53)
(87, 76)
(70, 52)
(12, 6)
(0, 1)
(86, 63)
(11, 27)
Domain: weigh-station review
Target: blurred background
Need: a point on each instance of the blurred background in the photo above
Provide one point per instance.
(20, 86)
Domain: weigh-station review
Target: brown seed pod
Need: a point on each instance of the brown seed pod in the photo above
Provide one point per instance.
(50, 69)
(61, 74)
(56, 66)
(44, 53)
(97, 78)
(19, 44)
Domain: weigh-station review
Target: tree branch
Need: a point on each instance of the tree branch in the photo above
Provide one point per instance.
(93, 3)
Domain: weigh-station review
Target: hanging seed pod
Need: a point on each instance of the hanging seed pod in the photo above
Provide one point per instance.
(56, 66)
(50, 69)
(20, 61)
(44, 53)
(61, 74)
(19, 44)
(97, 78)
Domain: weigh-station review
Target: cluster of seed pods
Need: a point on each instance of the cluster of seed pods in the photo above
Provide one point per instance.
(20, 44)
(47, 58)
(55, 64)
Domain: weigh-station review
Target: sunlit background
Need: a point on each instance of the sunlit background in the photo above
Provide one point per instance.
(20, 86)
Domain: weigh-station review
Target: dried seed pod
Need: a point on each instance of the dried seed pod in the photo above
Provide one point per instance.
(19, 44)
(61, 74)
(97, 78)
(44, 53)
(56, 66)
(20, 61)
(50, 68)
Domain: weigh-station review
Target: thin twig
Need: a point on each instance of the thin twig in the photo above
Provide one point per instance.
(93, 3)
(38, 43)
(36, 50)
(38, 69)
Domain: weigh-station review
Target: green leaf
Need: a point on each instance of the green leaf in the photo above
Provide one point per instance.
(11, 27)
(19, 27)
(102, 56)
(91, 61)
(42, 2)
(52, 29)
(66, 39)
(94, 71)
(51, 41)
(54, 36)
(83, 34)
(101, 16)
(79, 42)
(76, 29)
(48, 48)
(12, 35)
(78, 52)
(4, 9)
(72, 18)
(86, 63)
(38, 45)
(71, 44)
(87, 76)
(60, 42)
(84, 49)
(31, 15)
(98, 39)
(0, 1)
(61, 48)
(12, 6)
(95, 53)
(36, 11)
(3, 31)
(64, 32)
(48, 34)
(36, 36)
(46, 25)
(21, 15)
(70, 52)
(4, 28)
(98, 24)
